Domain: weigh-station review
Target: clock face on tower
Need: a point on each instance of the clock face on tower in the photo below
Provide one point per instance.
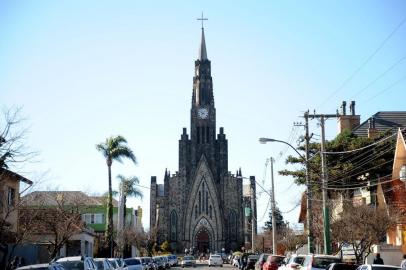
(203, 113)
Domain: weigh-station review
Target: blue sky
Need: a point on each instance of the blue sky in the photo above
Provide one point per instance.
(85, 70)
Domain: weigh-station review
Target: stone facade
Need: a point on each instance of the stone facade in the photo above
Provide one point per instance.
(200, 207)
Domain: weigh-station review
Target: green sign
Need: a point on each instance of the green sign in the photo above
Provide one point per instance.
(247, 211)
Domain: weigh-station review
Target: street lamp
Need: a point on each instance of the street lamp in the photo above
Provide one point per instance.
(265, 140)
(308, 197)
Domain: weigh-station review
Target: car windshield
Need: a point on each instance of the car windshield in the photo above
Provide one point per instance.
(189, 258)
(132, 261)
(72, 265)
(113, 263)
(215, 256)
(323, 262)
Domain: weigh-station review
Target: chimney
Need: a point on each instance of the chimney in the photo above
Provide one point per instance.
(349, 121)
(372, 131)
(352, 107)
(343, 108)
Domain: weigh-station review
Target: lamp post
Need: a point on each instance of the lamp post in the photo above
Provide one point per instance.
(308, 192)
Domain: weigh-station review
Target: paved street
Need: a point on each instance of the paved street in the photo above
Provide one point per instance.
(201, 266)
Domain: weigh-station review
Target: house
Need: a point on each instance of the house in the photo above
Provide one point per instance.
(393, 194)
(10, 197)
(10, 183)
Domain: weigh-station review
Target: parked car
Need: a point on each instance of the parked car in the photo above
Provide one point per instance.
(273, 262)
(188, 261)
(261, 260)
(164, 261)
(377, 267)
(160, 264)
(342, 266)
(42, 266)
(103, 264)
(242, 262)
(117, 263)
(77, 263)
(214, 260)
(292, 263)
(173, 260)
(318, 262)
(147, 263)
(251, 261)
(133, 264)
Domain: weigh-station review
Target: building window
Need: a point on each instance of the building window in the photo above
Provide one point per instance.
(174, 220)
(196, 214)
(207, 202)
(11, 194)
(207, 135)
(93, 218)
(232, 225)
(200, 202)
(198, 134)
(211, 210)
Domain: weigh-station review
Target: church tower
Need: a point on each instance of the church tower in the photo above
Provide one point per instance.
(200, 207)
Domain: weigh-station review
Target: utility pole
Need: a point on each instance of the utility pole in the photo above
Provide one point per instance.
(309, 216)
(253, 221)
(326, 214)
(324, 178)
(274, 247)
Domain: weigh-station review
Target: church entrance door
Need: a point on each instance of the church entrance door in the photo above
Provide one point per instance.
(203, 241)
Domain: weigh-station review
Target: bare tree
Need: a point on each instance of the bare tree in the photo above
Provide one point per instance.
(361, 227)
(55, 222)
(14, 151)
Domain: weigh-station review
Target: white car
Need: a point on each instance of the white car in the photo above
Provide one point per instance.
(77, 263)
(318, 262)
(103, 264)
(215, 260)
(133, 264)
(377, 267)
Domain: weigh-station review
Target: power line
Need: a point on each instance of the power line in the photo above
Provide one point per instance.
(379, 77)
(386, 89)
(346, 81)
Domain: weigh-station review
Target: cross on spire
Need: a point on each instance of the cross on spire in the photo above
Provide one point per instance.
(202, 19)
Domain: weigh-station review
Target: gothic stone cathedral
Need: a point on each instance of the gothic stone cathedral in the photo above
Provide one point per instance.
(201, 206)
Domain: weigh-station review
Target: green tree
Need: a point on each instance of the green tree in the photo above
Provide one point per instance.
(129, 188)
(280, 223)
(165, 247)
(113, 149)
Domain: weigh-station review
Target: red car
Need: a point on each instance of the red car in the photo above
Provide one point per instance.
(273, 262)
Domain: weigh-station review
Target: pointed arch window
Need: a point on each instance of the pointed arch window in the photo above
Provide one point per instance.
(210, 212)
(200, 202)
(196, 213)
(174, 223)
(207, 202)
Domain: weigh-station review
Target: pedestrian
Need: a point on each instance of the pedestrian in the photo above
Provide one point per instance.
(378, 259)
(403, 263)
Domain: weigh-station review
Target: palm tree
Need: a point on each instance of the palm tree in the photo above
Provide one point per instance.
(114, 148)
(129, 189)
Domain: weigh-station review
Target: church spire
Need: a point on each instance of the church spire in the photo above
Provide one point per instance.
(202, 49)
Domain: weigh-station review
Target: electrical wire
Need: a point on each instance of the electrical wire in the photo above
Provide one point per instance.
(346, 81)
(362, 148)
(379, 77)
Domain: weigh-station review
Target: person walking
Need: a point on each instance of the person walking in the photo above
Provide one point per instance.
(378, 259)
(403, 263)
